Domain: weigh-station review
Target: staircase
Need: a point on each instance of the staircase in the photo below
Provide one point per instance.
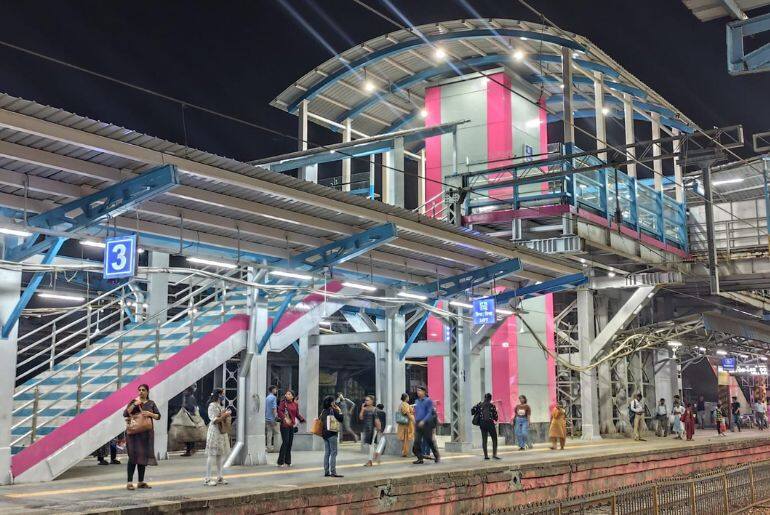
(72, 389)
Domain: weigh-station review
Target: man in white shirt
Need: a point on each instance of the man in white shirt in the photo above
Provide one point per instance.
(661, 416)
(637, 408)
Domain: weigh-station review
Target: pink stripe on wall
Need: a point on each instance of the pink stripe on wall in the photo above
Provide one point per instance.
(550, 344)
(434, 176)
(499, 130)
(312, 300)
(113, 405)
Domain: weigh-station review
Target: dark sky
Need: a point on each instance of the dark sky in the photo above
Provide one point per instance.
(234, 57)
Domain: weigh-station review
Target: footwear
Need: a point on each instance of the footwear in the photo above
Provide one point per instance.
(521, 448)
(327, 475)
(337, 475)
(496, 458)
(114, 462)
(437, 460)
(418, 462)
(130, 486)
(209, 482)
(552, 448)
(404, 455)
(103, 462)
(143, 485)
(222, 481)
(185, 454)
(368, 463)
(486, 457)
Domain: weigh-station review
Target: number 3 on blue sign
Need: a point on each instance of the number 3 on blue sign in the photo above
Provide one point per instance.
(120, 257)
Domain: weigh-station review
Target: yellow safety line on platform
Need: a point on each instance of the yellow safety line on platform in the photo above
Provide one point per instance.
(273, 472)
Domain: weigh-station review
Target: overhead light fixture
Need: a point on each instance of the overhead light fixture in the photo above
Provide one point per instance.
(561, 86)
(209, 262)
(92, 243)
(365, 287)
(459, 304)
(742, 356)
(439, 53)
(291, 275)
(722, 352)
(523, 38)
(369, 86)
(763, 358)
(423, 113)
(61, 296)
(702, 349)
(504, 312)
(728, 181)
(605, 111)
(408, 295)
(575, 55)
(15, 232)
(518, 55)
(582, 260)
(674, 343)
(610, 274)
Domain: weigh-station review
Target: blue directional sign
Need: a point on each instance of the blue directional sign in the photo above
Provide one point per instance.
(728, 364)
(120, 257)
(484, 311)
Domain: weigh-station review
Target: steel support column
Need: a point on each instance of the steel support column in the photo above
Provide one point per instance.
(393, 175)
(606, 423)
(465, 386)
(601, 128)
(347, 137)
(395, 369)
(657, 164)
(589, 393)
(678, 185)
(567, 116)
(157, 303)
(628, 122)
(10, 289)
(306, 173)
(712, 248)
(309, 355)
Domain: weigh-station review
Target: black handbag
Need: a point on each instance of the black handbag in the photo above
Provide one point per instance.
(476, 412)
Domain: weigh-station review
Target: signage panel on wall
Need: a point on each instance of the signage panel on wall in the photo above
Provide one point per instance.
(120, 257)
(728, 364)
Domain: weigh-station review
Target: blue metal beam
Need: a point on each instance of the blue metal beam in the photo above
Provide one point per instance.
(329, 255)
(758, 60)
(588, 65)
(565, 282)
(456, 284)
(430, 40)
(415, 333)
(92, 209)
(537, 78)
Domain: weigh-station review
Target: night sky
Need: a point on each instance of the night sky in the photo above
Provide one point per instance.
(234, 57)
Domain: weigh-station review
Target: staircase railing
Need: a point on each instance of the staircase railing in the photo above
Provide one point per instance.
(435, 207)
(200, 298)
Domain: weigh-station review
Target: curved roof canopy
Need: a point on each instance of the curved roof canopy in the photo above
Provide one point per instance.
(380, 85)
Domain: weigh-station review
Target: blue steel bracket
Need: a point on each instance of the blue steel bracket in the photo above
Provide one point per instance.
(415, 333)
(758, 60)
(565, 282)
(94, 208)
(456, 284)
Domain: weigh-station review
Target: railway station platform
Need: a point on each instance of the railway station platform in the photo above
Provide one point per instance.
(465, 480)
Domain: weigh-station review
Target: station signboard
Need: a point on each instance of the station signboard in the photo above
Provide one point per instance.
(752, 370)
(484, 311)
(728, 364)
(120, 257)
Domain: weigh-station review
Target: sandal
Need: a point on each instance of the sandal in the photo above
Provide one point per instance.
(130, 486)
(143, 485)
(222, 481)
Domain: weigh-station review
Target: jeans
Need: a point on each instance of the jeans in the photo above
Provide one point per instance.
(662, 428)
(287, 439)
(424, 435)
(702, 419)
(272, 430)
(330, 455)
(521, 430)
(488, 429)
(737, 421)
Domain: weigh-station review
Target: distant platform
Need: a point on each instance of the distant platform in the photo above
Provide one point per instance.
(465, 480)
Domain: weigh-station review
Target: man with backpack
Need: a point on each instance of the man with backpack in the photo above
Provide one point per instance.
(485, 416)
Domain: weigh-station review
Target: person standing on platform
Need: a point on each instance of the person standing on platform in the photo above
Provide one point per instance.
(557, 431)
(272, 425)
(521, 415)
(405, 422)
(331, 417)
(371, 421)
(217, 437)
(688, 419)
(190, 405)
(288, 413)
(485, 414)
(140, 435)
(701, 409)
(719, 417)
(677, 410)
(735, 410)
(661, 419)
(425, 422)
(346, 406)
(637, 408)
(760, 414)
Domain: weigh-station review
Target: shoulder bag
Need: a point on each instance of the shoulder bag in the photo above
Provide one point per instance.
(138, 423)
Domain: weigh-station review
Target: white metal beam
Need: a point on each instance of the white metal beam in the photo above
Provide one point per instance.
(347, 338)
(624, 315)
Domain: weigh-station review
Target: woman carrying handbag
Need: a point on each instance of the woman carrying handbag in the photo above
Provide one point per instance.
(140, 435)
(217, 437)
(288, 411)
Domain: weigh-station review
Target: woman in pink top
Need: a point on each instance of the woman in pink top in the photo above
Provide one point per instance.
(288, 413)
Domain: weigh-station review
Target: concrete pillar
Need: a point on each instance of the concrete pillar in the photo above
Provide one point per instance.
(628, 122)
(395, 375)
(306, 173)
(636, 383)
(601, 127)
(10, 291)
(421, 182)
(666, 374)
(678, 186)
(393, 175)
(604, 371)
(254, 452)
(380, 363)
(347, 137)
(589, 395)
(157, 302)
(468, 392)
(309, 355)
(569, 125)
(657, 164)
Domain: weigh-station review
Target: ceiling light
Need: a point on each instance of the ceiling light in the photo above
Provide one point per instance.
(408, 295)
(423, 113)
(60, 296)
(503, 312)
(365, 287)
(439, 53)
(763, 358)
(605, 111)
(721, 352)
(523, 38)
(291, 275)
(674, 343)
(561, 86)
(575, 55)
(325, 323)
(702, 349)
(582, 260)
(742, 356)
(728, 181)
(459, 304)
(15, 232)
(92, 243)
(610, 274)
(518, 55)
(369, 86)
(202, 261)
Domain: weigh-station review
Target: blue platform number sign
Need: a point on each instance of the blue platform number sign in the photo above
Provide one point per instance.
(728, 364)
(120, 257)
(484, 311)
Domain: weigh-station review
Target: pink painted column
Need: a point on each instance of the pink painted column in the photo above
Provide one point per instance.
(499, 131)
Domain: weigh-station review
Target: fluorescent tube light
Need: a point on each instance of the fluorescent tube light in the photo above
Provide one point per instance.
(408, 295)
(15, 232)
(291, 275)
(209, 262)
(459, 304)
(60, 296)
(365, 287)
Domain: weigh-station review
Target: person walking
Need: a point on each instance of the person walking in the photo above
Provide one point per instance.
(637, 408)
(405, 424)
(557, 431)
(331, 417)
(735, 409)
(521, 414)
(217, 437)
(677, 410)
(190, 405)
(661, 419)
(700, 407)
(272, 425)
(688, 419)
(288, 413)
(372, 426)
(140, 435)
(425, 422)
(485, 416)
(346, 406)
(719, 417)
